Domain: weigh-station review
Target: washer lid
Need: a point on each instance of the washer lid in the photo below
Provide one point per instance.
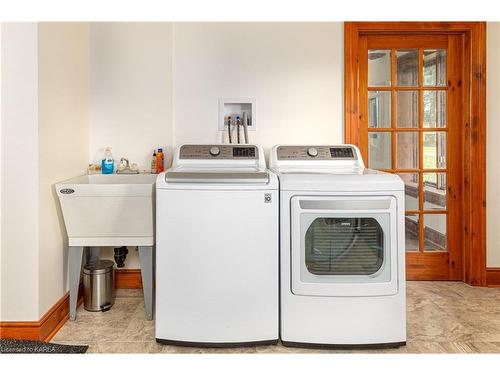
(189, 178)
(218, 176)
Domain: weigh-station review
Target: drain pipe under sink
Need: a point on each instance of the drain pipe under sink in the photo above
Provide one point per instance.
(120, 256)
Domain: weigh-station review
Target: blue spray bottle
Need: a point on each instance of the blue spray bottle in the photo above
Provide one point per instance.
(108, 162)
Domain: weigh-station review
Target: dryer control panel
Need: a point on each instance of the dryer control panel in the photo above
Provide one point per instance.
(204, 152)
(344, 152)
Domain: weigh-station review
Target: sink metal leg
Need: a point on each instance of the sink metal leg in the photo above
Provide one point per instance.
(75, 268)
(146, 258)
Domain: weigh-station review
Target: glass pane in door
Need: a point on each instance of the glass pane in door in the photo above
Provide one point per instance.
(407, 150)
(379, 109)
(434, 186)
(434, 149)
(412, 232)
(407, 67)
(411, 190)
(435, 232)
(379, 68)
(434, 109)
(407, 109)
(379, 150)
(434, 67)
(344, 246)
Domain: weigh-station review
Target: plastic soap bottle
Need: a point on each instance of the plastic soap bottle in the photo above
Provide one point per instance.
(108, 163)
(160, 166)
(154, 168)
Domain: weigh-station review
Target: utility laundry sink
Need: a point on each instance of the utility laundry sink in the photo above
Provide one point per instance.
(108, 210)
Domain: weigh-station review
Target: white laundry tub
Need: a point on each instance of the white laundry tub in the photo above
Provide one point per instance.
(108, 210)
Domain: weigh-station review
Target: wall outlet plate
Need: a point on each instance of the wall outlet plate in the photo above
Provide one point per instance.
(235, 107)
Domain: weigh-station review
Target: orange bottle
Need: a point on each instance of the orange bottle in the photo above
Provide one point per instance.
(160, 166)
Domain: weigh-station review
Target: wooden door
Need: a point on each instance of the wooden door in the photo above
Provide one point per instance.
(410, 124)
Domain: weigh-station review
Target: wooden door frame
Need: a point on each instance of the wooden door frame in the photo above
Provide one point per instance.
(473, 122)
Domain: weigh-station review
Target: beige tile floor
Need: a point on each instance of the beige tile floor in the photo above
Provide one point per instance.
(442, 317)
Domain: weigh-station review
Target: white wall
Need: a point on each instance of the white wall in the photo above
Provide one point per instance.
(293, 70)
(19, 173)
(492, 140)
(130, 83)
(63, 141)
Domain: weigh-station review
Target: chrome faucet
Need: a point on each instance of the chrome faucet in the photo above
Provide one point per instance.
(126, 167)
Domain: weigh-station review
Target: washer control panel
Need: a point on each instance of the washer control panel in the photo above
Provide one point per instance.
(316, 153)
(218, 152)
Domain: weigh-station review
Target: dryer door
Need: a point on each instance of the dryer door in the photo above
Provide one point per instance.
(344, 245)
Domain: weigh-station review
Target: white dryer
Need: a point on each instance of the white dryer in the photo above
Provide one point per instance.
(342, 253)
(217, 248)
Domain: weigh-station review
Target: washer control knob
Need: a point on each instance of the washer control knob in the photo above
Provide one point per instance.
(313, 152)
(214, 151)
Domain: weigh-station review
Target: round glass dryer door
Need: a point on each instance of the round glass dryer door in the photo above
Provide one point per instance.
(344, 246)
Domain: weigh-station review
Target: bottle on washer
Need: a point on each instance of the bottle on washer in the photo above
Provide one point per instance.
(153, 163)
(160, 166)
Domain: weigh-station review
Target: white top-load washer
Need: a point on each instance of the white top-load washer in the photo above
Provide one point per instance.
(217, 248)
(342, 254)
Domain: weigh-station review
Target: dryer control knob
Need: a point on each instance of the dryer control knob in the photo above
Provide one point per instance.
(214, 151)
(313, 152)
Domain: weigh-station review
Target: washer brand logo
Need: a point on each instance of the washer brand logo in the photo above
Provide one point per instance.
(267, 198)
(67, 191)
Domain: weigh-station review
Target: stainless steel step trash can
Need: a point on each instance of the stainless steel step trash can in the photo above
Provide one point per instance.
(99, 285)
